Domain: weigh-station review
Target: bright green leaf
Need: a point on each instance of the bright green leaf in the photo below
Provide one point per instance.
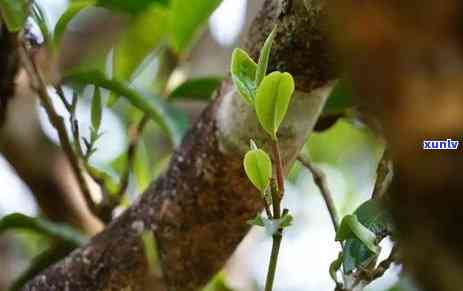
(150, 246)
(145, 34)
(186, 19)
(41, 226)
(272, 101)
(200, 89)
(257, 221)
(264, 57)
(172, 121)
(141, 167)
(217, 284)
(286, 220)
(97, 109)
(14, 13)
(258, 167)
(74, 8)
(131, 7)
(243, 73)
(351, 228)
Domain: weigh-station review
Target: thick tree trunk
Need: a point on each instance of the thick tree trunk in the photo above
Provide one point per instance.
(406, 60)
(198, 209)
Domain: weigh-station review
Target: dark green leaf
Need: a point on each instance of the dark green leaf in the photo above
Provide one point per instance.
(200, 89)
(173, 122)
(97, 109)
(340, 99)
(258, 168)
(355, 255)
(14, 13)
(186, 19)
(374, 217)
(243, 73)
(272, 101)
(44, 227)
(264, 57)
(73, 9)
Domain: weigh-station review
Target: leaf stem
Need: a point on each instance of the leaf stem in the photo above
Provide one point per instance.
(273, 260)
(280, 189)
(277, 191)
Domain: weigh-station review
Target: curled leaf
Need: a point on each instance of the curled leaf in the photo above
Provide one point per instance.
(352, 228)
(243, 73)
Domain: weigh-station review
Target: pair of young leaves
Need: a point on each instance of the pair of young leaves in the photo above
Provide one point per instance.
(270, 96)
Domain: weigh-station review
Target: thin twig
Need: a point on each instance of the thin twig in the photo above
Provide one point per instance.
(384, 175)
(57, 121)
(276, 243)
(131, 153)
(320, 180)
(384, 265)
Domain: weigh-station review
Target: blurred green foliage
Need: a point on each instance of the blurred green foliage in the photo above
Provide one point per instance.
(14, 13)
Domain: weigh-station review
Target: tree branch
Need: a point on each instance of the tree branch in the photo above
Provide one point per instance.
(198, 209)
(320, 181)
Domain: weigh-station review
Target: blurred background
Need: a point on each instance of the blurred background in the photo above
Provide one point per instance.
(347, 152)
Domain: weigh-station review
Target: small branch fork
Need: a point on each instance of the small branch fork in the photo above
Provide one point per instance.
(384, 171)
(57, 121)
(76, 156)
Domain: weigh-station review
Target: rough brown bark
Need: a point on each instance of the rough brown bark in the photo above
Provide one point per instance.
(198, 209)
(9, 64)
(406, 60)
